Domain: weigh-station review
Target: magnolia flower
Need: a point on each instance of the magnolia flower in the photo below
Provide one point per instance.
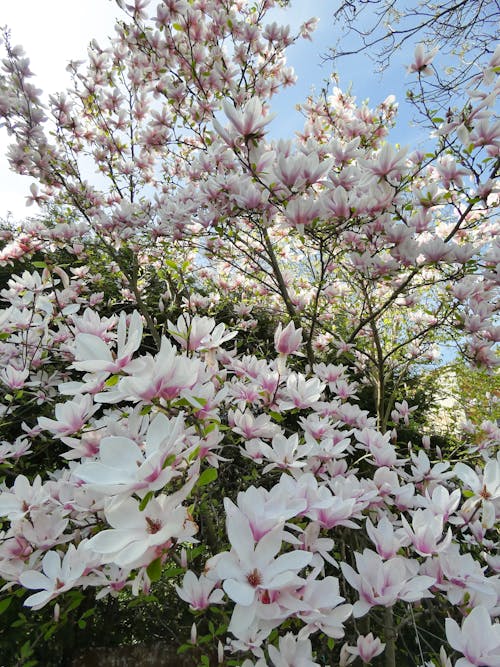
(387, 162)
(163, 376)
(264, 510)
(292, 651)
(285, 453)
(319, 606)
(426, 532)
(250, 567)
(367, 647)
(13, 377)
(421, 60)
(123, 467)
(93, 354)
(136, 536)
(478, 639)
(248, 122)
(384, 538)
(287, 340)
(441, 502)
(486, 490)
(378, 445)
(22, 497)
(384, 582)
(60, 573)
(199, 333)
(301, 392)
(71, 416)
(198, 591)
(402, 411)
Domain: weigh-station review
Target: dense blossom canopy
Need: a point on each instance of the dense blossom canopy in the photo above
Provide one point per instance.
(192, 348)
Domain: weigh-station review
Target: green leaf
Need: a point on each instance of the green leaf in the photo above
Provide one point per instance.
(145, 500)
(168, 461)
(26, 649)
(111, 381)
(171, 264)
(172, 571)
(4, 604)
(194, 454)
(154, 570)
(40, 265)
(77, 600)
(207, 476)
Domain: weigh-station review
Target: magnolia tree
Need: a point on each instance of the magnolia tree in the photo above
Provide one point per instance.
(188, 374)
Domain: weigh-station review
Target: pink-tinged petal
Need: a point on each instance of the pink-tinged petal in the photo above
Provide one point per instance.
(240, 536)
(241, 619)
(34, 579)
(233, 115)
(476, 622)
(109, 541)
(124, 514)
(9, 503)
(38, 599)
(51, 564)
(351, 575)
(454, 635)
(467, 475)
(239, 591)
(491, 475)
(416, 588)
(120, 452)
(161, 429)
(360, 608)
(227, 568)
(216, 596)
(90, 347)
(131, 553)
(281, 580)
(463, 662)
(294, 560)
(96, 473)
(268, 546)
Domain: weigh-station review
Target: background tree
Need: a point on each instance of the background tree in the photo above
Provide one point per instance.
(465, 32)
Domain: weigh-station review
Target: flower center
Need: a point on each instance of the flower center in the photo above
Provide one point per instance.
(254, 578)
(153, 526)
(484, 493)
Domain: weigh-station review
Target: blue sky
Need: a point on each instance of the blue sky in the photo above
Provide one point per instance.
(55, 32)
(355, 72)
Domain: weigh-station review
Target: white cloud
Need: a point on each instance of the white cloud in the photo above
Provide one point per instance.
(52, 32)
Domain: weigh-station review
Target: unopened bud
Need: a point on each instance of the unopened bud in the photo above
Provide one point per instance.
(220, 653)
(184, 559)
(194, 634)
